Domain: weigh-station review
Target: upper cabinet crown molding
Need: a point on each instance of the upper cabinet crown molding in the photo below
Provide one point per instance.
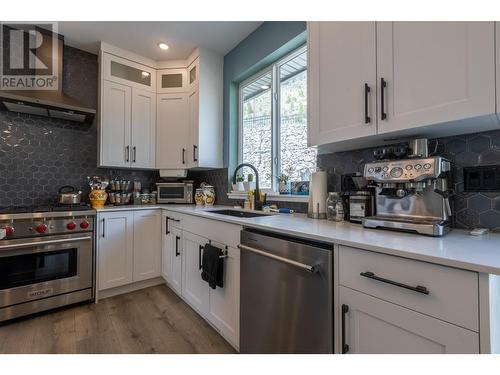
(368, 80)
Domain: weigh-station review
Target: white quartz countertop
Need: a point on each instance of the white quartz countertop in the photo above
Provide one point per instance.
(456, 249)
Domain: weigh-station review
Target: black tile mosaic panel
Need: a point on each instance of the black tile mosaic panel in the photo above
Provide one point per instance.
(39, 154)
(470, 209)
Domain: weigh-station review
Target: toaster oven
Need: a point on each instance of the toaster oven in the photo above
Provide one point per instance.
(175, 192)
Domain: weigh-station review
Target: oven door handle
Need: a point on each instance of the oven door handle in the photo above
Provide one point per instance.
(43, 243)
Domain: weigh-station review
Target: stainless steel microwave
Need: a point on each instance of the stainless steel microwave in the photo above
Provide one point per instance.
(175, 192)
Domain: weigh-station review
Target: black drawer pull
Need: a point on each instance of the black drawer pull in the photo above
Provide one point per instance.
(418, 288)
(367, 117)
(345, 347)
(177, 252)
(200, 249)
(383, 85)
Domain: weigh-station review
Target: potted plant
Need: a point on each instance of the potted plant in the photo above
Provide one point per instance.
(239, 186)
(250, 184)
(284, 184)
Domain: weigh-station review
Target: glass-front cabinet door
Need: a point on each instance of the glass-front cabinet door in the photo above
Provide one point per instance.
(119, 70)
(172, 80)
(193, 73)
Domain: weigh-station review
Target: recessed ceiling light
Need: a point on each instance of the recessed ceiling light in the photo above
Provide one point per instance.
(163, 46)
(264, 87)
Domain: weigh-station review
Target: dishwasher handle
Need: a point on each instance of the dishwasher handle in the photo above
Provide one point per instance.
(305, 267)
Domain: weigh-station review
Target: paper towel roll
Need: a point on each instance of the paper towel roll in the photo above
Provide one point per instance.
(318, 193)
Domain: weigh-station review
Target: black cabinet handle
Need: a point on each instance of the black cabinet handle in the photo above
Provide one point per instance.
(383, 85)
(194, 153)
(127, 154)
(166, 225)
(345, 347)
(134, 153)
(103, 226)
(177, 253)
(418, 288)
(367, 91)
(200, 249)
(183, 156)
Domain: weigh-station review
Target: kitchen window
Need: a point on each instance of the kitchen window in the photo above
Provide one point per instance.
(273, 122)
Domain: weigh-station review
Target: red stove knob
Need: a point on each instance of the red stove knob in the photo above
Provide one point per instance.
(41, 228)
(71, 226)
(9, 231)
(84, 224)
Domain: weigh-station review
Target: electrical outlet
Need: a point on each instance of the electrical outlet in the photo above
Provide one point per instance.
(483, 178)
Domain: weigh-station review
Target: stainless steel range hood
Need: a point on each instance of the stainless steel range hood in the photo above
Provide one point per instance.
(48, 103)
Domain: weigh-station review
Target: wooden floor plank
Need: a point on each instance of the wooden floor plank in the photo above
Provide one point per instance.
(152, 320)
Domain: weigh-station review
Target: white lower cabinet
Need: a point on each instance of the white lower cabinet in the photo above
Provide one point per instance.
(182, 255)
(146, 244)
(128, 247)
(115, 249)
(194, 289)
(373, 326)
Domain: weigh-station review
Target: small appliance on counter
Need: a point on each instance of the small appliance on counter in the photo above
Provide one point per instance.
(412, 193)
(358, 197)
(175, 192)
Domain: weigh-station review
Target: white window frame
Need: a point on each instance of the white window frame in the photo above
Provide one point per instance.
(275, 111)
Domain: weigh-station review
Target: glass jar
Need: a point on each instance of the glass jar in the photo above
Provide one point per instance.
(334, 207)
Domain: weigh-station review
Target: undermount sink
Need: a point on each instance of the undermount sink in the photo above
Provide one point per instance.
(240, 213)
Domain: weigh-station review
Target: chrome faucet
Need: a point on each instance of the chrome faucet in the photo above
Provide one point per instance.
(256, 194)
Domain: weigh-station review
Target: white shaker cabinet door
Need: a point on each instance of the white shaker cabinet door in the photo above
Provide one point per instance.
(114, 126)
(194, 289)
(341, 70)
(143, 129)
(166, 250)
(434, 72)
(172, 131)
(224, 305)
(374, 326)
(115, 249)
(147, 248)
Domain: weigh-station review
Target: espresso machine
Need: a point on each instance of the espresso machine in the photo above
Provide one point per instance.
(411, 192)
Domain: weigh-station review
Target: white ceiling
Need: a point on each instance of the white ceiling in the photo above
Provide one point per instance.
(143, 37)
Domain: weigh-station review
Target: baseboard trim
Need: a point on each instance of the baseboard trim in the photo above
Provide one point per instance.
(102, 294)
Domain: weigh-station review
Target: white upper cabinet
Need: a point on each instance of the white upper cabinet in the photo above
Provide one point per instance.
(172, 131)
(127, 72)
(398, 78)
(143, 130)
(497, 49)
(342, 81)
(115, 122)
(434, 72)
(194, 122)
(172, 80)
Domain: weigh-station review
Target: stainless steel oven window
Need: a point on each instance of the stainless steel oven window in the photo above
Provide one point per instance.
(172, 192)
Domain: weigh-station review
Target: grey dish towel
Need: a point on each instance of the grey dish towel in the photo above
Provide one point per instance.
(212, 270)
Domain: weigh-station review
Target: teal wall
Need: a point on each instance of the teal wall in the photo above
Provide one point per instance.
(267, 44)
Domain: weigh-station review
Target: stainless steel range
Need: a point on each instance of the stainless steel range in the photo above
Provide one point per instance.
(46, 258)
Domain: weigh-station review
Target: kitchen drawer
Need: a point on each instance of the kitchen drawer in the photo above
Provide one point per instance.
(453, 293)
(174, 219)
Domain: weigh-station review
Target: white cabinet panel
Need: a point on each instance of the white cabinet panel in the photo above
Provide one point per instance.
(194, 123)
(166, 249)
(143, 129)
(194, 289)
(177, 256)
(435, 72)
(224, 303)
(147, 248)
(115, 121)
(341, 61)
(115, 249)
(373, 326)
(127, 72)
(172, 131)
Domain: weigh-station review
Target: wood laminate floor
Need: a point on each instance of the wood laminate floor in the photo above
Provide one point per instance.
(152, 320)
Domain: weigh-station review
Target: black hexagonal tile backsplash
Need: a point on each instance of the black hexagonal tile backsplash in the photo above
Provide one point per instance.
(39, 154)
(470, 209)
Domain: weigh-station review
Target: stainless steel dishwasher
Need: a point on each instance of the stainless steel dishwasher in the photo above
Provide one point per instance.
(286, 301)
